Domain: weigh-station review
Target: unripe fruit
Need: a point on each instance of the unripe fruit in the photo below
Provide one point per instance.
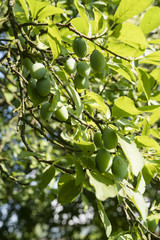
(110, 138)
(152, 226)
(98, 139)
(43, 86)
(97, 61)
(38, 70)
(119, 167)
(81, 82)
(103, 159)
(83, 69)
(70, 65)
(33, 94)
(27, 63)
(45, 114)
(62, 114)
(79, 47)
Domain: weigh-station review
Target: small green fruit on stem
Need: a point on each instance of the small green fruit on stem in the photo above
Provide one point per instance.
(79, 47)
(62, 114)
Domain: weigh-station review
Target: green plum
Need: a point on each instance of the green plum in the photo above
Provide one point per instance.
(152, 225)
(97, 61)
(110, 138)
(98, 140)
(62, 114)
(103, 159)
(38, 71)
(70, 65)
(81, 82)
(79, 47)
(43, 86)
(33, 94)
(119, 167)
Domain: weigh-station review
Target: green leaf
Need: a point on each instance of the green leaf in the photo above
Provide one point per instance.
(82, 13)
(79, 25)
(149, 171)
(85, 146)
(154, 216)
(152, 58)
(141, 184)
(150, 20)
(138, 201)
(130, 8)
(124, 107)
(49, 11)
(95, 100)
(155, 133)
(146, 127)
(155, 116)
(156, 96)
(47, 176)
(133, 155)
(125, 71)
(36, 6)
(144, 82)
(104, 219)
(66, 177)
(76, 100)
(104, 186)
(25, 8)
(24, 154)
(54, 39)
(146, 141)
(80, 175)
(99, 21)
(127, 40)
(69, 192)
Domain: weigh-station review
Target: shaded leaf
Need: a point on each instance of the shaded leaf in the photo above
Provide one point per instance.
(69, 192)
(24, 154)
(47, 176)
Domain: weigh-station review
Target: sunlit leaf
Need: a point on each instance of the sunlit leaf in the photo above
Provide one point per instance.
(104, 218)
(130, 8)
(133, 155)
(150, 20)
(104, 187)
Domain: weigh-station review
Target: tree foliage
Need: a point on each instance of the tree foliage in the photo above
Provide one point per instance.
(79, 119)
